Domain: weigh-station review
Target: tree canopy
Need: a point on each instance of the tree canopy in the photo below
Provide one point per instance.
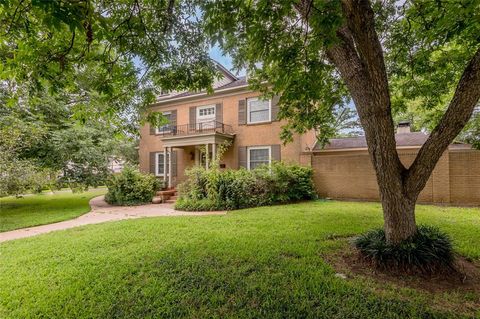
(76, 78)
(426, 47)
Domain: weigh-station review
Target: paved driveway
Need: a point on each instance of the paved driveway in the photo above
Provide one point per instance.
(103, 212)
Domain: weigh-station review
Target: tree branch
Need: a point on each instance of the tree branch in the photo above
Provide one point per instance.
(359, 58)
(466, 97)
(361, 23)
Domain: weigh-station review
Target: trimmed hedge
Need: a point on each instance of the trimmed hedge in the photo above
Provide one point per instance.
(131, 187)
(233, 189)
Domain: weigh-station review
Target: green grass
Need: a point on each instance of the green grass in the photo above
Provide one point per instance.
(255, 263)
(40, 209)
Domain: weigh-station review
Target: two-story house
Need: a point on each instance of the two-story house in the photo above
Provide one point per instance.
(197, 120)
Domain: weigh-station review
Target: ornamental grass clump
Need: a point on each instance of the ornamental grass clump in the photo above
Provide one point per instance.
(428, 251)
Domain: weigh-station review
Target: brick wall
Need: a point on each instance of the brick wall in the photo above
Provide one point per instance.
(350, 175)
(465, 177)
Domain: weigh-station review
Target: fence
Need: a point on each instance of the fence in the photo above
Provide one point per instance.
(350, 175)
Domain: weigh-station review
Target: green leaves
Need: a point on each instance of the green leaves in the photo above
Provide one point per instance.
(278, 47)
(283, 43)
(122, 48)
(427, 51)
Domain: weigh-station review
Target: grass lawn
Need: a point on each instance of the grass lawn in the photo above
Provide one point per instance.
(40, 209)
(255, 263)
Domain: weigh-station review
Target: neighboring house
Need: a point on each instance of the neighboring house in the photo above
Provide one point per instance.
(197, 120)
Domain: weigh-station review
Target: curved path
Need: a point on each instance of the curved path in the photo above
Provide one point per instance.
(102, 212)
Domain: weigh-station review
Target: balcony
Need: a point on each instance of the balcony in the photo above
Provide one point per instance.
(195, 129)
(211, 132)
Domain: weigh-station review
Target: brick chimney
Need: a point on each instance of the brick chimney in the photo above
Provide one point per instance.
(403, 127)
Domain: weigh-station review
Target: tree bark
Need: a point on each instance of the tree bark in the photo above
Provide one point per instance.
(358, 56)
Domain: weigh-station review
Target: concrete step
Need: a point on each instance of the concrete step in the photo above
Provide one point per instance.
(173, 197)
(168, 192)
(170, 201)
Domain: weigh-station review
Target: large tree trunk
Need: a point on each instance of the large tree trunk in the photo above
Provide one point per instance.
(398, 215)
(358, 56)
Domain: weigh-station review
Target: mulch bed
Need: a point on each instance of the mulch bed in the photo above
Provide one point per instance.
(463, 280)
(465, 277)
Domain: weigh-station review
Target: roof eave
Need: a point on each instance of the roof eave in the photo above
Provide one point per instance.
(199, 95)
(328, 150)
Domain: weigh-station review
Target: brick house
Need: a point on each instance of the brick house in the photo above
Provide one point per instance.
(197, 120)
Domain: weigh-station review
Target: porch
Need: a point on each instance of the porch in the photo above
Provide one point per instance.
(200, 141)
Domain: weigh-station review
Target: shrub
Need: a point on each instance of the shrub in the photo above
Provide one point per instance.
(131, 187)
(199, 205)
(233, 189)
(427, 251)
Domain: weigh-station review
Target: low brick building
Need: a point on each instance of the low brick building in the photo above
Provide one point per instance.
(343, 170)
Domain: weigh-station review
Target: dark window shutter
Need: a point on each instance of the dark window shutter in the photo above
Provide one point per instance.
(174, 163)
(242, 112)
(173, 118)
(276, 153)
(153, 161)
(275, 109)
(219, 112)
(193, 117)
(242, 156)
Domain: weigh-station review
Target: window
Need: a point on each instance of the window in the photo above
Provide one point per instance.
(160, 169)
(258, 111)
(258, 155)
(167, 127)
(206, 111)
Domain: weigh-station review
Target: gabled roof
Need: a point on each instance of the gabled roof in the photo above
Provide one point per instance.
(241, 81)
(225, 71)
(228, 81)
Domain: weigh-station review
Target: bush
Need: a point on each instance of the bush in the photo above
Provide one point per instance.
(131, 187)
(233, 189)
(426, 252)
(198, 205)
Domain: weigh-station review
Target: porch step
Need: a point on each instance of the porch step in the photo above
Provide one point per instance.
(168, 192)
(165, 196)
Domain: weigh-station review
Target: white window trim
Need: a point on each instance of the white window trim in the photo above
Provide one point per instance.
(206, 107)
(157, 129)
(157, 155)
(259, 148)
(269, 111)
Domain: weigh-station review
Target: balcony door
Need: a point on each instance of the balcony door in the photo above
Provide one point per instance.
(205, 117)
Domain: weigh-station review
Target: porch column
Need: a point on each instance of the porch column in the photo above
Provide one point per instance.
(197, 156)
(214, 151)
(165, 165)
(206, 156)
(170, 167)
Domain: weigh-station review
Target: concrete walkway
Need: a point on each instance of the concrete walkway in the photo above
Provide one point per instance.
(102, 212)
